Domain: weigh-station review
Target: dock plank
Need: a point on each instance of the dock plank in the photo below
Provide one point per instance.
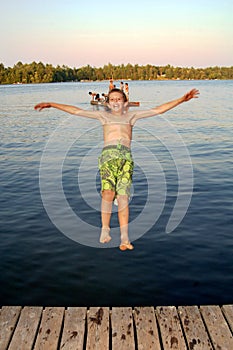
(26, 330)
(218, 329)
(171, 331)
(50, 328)
(74, 328)
(8, 318)
(122, 328)
(194, 328)
(228, 312)
(98, 328)
(146, 327)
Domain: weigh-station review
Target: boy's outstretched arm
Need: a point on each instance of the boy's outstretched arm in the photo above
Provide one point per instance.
(62, 107)
(67, 108)
(169, 105)
(166, 106)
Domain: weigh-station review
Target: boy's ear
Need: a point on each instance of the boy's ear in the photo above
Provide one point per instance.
(126, 104)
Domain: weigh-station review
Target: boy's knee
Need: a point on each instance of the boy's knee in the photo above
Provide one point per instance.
(108, 195)
(123, 199)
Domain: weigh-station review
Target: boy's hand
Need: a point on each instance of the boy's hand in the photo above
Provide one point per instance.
(191, 94)
(42, 105)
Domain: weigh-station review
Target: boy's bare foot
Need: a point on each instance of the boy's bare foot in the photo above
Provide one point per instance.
(126, 245)
(105, 236)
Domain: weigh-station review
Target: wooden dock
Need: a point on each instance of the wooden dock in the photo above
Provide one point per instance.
(116, 328)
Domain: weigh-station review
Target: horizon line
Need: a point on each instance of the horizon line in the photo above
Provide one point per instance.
(119, 64)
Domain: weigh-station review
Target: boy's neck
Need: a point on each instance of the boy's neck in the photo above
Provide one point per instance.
(120, 113)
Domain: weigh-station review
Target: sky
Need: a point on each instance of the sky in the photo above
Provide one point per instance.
(75, 33)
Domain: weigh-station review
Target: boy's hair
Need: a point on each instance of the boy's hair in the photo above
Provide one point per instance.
(120, 92)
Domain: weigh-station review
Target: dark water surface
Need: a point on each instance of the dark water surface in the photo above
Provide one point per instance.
(40, 265)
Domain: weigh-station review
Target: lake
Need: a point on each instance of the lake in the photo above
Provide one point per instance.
(181, 206)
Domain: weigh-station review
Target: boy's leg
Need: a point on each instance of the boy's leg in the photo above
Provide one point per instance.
(123, 216)
(123, 190)
(106, 211)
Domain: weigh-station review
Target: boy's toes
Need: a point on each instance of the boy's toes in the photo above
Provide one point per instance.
(125, 246)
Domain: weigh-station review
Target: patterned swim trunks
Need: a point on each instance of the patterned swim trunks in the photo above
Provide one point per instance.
(116, 169)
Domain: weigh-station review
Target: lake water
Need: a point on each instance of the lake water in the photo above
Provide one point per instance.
(180, 210)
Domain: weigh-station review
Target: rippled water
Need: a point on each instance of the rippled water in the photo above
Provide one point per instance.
(40, 265)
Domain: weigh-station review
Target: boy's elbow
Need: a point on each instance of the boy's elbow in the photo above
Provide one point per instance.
(157, 110)
(77, 112)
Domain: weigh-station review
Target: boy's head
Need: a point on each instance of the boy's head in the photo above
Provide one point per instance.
(115, 90)
(117, 101)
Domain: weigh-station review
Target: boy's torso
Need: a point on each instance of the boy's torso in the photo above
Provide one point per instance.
(117, 129)
(117, 133)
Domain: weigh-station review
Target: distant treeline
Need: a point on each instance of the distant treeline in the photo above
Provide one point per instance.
(45, 73)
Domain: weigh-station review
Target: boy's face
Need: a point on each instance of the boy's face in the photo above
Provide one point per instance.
(116, 102)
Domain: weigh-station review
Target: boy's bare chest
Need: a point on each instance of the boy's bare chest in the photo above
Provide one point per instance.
(117, 131)
(117, 128)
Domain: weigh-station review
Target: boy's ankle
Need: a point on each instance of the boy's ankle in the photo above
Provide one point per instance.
(105, 228)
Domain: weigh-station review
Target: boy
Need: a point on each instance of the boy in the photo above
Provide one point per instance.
(115, 162)
(126, 91)
(94, 96)
(111, 85)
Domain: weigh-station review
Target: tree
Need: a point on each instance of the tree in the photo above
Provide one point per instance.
(39, 73)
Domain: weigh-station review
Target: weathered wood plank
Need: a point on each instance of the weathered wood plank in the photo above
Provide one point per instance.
(122, 328)
(98, 328)
(182, 328)
(194, 328)
(146, 327)
(228, 312)
(171, 331)
(26, 330)
(217, 327)
(8, 318)
(50, 328)
(74, 328)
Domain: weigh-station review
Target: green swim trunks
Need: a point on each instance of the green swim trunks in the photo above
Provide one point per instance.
(116, 169)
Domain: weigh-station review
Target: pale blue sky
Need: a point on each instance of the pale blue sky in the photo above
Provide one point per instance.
(76, 33)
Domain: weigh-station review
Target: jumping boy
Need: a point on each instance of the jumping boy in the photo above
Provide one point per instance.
(115, 162)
